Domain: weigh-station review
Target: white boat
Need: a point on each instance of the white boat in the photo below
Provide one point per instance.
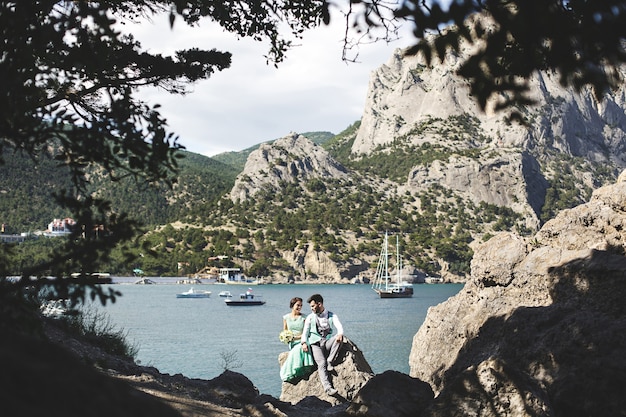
(234, 276)
(433, 280)
(192, 293)
(225, 294)
(99, 277)
(246, 299)
(385, 285)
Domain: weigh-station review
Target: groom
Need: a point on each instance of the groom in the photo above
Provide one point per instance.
(318, 328)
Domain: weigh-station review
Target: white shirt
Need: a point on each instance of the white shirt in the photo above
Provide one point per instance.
(322, 319)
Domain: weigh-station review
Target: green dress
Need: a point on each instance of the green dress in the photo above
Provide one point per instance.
(298, 363)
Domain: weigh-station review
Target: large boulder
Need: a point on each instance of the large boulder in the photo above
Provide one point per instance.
(350, 374)
(539, 328)
(391, 394)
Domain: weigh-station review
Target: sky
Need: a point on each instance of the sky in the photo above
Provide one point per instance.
(252, 102)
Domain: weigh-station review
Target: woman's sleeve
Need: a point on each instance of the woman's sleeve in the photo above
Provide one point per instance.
(306, 330)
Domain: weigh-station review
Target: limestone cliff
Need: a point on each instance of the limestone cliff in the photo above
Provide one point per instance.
(405, 92)
(289, 159)
(482, 156)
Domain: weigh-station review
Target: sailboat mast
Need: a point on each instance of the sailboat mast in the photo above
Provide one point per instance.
(386, 263)
(398, 260)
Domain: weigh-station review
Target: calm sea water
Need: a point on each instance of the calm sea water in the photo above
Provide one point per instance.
(197, 337)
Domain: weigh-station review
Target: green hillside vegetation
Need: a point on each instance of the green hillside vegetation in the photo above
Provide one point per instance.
(394, 161)
(196, 221)
(26, 188)
(344, 219)
(27, 204)
(565, 190)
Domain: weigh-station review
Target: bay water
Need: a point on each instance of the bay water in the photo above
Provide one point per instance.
(201, 337)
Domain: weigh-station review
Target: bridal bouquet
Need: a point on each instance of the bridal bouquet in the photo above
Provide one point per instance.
(286, 336)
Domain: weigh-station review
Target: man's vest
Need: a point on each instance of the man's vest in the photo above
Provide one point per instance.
(315, 335)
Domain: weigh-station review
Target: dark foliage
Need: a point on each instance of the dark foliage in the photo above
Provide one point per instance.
(68, 81)
(581, 40)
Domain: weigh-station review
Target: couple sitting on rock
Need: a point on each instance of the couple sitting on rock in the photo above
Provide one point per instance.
(316, 342)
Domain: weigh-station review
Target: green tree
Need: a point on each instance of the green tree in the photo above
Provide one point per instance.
(68, 84)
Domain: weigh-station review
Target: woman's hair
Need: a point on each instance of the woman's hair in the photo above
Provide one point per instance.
(293, 301)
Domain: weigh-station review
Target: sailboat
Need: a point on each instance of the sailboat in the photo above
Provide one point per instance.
(385, 285)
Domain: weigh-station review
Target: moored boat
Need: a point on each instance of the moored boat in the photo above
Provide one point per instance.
(433, 280)
(384, 284)
(192, 293)
(98, 277)
(246, 299)
(225, 294)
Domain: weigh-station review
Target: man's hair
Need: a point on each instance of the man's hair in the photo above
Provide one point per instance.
(316, 297)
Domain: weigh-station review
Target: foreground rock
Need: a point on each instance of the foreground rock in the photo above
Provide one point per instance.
(391, 394)
(350, 374)
(539, 329)
(55, 373)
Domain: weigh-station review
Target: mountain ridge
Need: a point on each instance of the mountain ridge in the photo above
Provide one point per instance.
(443, 180)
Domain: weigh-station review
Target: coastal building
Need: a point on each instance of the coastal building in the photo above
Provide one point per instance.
(12, 238)
(60, 227)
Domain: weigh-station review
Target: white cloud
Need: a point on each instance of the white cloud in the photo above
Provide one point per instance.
(251, 102)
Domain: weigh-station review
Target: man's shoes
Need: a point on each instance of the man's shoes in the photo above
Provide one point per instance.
(331, 391)
(330, 368)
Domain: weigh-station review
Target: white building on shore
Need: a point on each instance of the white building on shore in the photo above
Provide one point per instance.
(60, 227)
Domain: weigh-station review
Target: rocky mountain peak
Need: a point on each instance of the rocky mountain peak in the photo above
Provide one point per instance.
(428, 110)
(405, 94)
(289, 159)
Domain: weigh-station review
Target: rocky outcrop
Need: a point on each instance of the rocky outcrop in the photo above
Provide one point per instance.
(289, 159)
(350, 374)
(481, 155)
(308, 261)
(511, 179)
(405, 92)
(391, 394)
(538, 330)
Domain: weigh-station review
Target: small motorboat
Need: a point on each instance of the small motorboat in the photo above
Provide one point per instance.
(225, 294)
(247, 299)
(192, 293)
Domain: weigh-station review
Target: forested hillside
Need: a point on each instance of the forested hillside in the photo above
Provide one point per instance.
(27, 203)
(267, 234)
(443, 178)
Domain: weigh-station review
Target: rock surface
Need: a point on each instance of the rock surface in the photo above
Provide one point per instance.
(350, 374)
(391, 394)
(289, 159)
(405, 92)
(539, 328)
